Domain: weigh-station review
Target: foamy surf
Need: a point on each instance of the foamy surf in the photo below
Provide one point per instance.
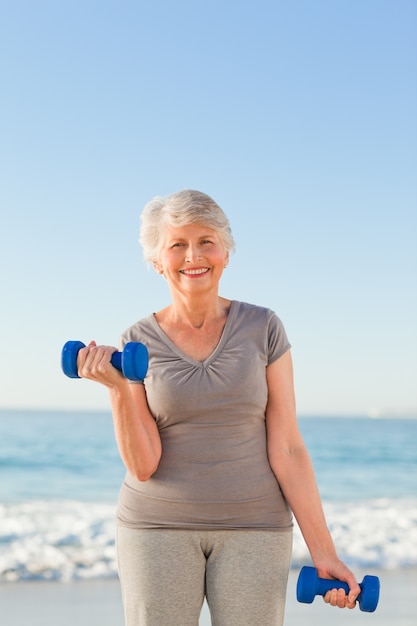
(72, 540)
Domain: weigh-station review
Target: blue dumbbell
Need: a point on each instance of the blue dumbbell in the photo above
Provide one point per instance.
(132, 362)
(309, 585)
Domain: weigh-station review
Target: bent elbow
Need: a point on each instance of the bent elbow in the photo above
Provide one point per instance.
(142, 477)
(144, 474)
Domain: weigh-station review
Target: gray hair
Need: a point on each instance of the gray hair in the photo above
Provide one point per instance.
(180, 209)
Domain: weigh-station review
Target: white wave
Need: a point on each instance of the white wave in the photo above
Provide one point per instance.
(379, 534)
(71, 540)
(63, 541)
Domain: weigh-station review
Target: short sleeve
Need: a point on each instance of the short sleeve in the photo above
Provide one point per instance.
(278, 342)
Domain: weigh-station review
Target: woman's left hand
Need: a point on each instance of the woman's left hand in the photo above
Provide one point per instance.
(338, 597)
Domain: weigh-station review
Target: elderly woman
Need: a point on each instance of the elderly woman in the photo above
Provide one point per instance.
(215, 461)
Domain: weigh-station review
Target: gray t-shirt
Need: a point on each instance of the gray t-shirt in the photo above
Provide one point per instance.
(214, 471)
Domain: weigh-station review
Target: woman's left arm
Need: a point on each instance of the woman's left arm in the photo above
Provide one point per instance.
(292, 466)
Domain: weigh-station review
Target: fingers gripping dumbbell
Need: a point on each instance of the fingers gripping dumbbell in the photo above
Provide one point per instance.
(132, 362)
(309, 585)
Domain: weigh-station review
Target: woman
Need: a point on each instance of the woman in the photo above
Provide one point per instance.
(215, 461)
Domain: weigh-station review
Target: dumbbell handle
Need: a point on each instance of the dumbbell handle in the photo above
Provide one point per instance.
(325, 584)
(132, 362)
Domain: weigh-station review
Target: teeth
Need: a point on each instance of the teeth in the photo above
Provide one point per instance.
(194, 272)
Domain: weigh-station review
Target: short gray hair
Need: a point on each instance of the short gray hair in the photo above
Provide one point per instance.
(180, 209)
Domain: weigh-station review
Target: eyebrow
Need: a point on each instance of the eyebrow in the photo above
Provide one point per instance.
(180, 239)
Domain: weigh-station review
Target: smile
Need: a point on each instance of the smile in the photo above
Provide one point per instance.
(196, 272)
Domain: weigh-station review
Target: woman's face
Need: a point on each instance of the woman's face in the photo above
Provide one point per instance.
(192, 258)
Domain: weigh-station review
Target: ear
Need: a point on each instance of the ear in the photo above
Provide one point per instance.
(157, 267)
(226, 259)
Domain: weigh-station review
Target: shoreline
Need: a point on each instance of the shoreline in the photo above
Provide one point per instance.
(98, 603)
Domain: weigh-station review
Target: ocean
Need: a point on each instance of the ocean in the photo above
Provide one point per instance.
(60, 474)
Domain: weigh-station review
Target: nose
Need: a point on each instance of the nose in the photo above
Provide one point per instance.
(193, 253)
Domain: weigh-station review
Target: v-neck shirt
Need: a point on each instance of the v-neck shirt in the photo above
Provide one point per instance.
(214, 471)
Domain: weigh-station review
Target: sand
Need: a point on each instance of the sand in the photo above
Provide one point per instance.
(98, 603)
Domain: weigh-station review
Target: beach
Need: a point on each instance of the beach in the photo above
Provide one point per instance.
(98, 603)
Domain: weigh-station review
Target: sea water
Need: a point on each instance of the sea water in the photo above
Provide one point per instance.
(60, 474)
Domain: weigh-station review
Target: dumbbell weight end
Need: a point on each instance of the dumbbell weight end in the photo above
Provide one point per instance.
(69, 358)
(134, 360)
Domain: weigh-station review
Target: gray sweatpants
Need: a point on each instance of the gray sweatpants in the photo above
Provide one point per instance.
(166, 574)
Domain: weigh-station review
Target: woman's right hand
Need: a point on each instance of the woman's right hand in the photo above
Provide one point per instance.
(93, 362)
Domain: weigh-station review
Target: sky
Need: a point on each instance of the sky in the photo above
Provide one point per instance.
(297, 117)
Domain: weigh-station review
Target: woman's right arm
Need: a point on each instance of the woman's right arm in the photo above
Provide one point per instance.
(135, 429)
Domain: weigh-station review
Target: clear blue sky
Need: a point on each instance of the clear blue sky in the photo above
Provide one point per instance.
(298, 117)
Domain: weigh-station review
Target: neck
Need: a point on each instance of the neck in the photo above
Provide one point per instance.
(197, 312)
